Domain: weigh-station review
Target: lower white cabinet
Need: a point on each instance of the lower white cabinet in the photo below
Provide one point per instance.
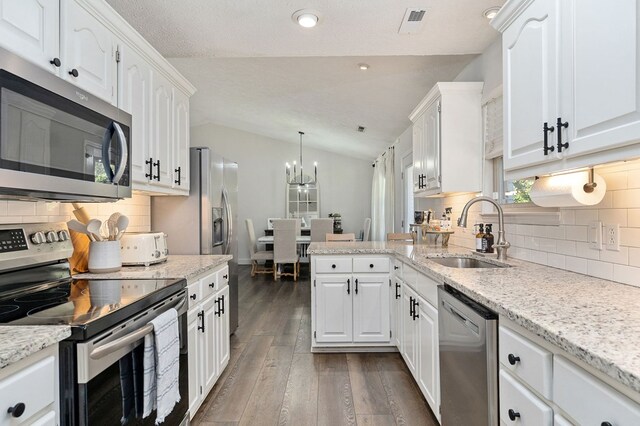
(409, 349)
(208, 339)
(517, 404)
(333, 308)
(371, 317)
(31, 384)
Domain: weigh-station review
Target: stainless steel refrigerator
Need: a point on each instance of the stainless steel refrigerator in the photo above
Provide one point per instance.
(206, 221)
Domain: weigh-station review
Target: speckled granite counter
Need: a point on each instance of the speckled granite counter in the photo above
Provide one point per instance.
(176, 266)
(18, 342)
(596, 320)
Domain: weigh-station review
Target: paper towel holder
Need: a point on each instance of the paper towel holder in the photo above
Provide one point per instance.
(590, 186)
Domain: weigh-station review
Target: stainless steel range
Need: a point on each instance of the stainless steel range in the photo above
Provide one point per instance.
(100, 363)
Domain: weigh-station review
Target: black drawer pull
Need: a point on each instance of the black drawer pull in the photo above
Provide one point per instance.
(56, 62)
(212, 285)
(333, 266)
(397, 291)
(559, 126)
(348, 286)
(513, 415)
(193, 296)
(605, 424)
(201, 316)
(513, 359)
(371, 265)
(395, 268)
(547, 130)
(17, 410)
(356, 289)
(74, 72)
(225, 276)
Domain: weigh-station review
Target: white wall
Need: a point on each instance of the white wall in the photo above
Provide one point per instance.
(487, 68)
(345, 182)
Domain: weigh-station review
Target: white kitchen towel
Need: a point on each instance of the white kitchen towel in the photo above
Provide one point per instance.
(161, 390)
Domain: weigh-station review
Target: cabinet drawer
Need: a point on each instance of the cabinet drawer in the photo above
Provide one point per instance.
(525, 359)
(588, 400)
(338, 265)
(48, 419)
(223, 277)
(34, 386)
(427, 288)
(209, 284)
(516, 400)
(371, 264)
(194, 293)
(397, 268)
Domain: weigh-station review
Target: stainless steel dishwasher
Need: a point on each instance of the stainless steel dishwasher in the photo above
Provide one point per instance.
(468, 337)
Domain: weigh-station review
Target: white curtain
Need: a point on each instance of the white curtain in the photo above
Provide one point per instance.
(382, 196)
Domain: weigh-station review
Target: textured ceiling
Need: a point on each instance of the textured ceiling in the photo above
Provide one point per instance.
(258, 71)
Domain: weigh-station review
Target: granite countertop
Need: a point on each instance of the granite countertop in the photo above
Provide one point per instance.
(596, 320)
(18, 342)
(176, 266)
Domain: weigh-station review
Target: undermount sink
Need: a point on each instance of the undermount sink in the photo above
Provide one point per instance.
(464, 262)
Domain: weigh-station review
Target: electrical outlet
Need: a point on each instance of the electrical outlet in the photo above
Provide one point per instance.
(595, 235)
(612, 237)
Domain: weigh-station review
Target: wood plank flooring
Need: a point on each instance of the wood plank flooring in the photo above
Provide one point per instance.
(274, 379)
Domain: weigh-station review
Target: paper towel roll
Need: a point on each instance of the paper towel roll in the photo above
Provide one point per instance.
(567, 190)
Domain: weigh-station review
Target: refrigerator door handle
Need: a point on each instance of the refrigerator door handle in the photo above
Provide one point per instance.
(228, 221)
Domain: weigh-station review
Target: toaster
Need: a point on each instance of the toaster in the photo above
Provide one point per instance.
(143, 248)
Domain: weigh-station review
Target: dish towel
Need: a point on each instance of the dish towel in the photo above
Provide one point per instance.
(162, 366)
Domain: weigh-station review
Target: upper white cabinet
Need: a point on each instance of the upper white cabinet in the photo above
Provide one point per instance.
(574, 66)
(180, 121)
(447, 138)
(162, 132)
(30, 28)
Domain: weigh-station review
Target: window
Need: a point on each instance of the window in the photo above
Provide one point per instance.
(509, 191)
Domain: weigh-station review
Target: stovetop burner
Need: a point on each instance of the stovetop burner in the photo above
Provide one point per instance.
(42, 296)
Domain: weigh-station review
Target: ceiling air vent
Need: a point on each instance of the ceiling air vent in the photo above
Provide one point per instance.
(412, 21)
(361, 129)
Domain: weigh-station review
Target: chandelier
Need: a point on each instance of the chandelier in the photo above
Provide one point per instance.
(300, 179)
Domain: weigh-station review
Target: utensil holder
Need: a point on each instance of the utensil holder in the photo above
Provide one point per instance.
(104, 256)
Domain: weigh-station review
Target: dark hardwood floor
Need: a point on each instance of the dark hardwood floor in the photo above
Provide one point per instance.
(274, 379)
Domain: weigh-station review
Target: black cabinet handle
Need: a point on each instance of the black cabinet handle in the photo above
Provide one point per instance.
(356, 289)
(395, 268)
(217, 312)
(513, 359)
(149, 163)
(559, 126)
(605, 424)
(212, 285)
(371, 265)
(411, 306)
(193, 296)
(56, 62)
(222, 304)
(225, 276)
(74, 72)
(178, 171)
(416, 314)
(17, 410)
(201, 316)
(397, 291)
(348, 286)
(157, 177)
(547, 130)
(513, 415)
(333, 266)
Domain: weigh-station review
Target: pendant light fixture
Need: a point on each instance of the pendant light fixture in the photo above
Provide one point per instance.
(299, 179)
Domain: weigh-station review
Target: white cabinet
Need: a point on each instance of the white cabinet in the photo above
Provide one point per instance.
(447, 136)
(33, 382)
(409, 329)
(575, 67)
(180, 162)
(333, 308)
(518, 404)
(428, 367)
(30, 28)
(371, 317)
(88, 51)
(162, 131)
(208, 336)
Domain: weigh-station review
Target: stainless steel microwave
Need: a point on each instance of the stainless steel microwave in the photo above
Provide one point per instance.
(58, 142)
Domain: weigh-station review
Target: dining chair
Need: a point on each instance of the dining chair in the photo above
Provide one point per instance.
(404, 236)
(285, 250)
(320, 228)
(367, 229)
(257, 255)
(340, 237)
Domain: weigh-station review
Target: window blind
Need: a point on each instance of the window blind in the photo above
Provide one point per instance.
(493, 128)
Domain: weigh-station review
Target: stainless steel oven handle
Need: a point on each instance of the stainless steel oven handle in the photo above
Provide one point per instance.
(124, 156)
(462, 318)
(108, 348)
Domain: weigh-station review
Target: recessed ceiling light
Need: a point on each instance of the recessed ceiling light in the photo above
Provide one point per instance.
(363, 67)
(306, 18)
(491, 12)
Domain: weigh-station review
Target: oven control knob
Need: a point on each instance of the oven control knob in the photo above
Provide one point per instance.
(38, 238)
(63, 235)
(52, 237)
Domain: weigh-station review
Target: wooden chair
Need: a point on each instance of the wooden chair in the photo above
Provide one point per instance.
(285, 249)
(399, 237)
(257, 255)
(367, 229)
(340, 237)
(320, 228)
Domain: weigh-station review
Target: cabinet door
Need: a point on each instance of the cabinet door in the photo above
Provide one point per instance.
(162, 132)
(195, 360)
(529, 48)
(30, 28)
(334, 311)
(371, 308)
(222, 331)
(134, 96)
(396, 313)
(88, 47)
(601, 75)
(409, 335)
(210, 363)
(428, 360)
(180, 166)
(418, 148)
(431, 153)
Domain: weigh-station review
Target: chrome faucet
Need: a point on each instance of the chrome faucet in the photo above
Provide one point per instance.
(501, 245)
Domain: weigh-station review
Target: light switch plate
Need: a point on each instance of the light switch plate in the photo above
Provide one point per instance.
(612, 236)
(595, 235)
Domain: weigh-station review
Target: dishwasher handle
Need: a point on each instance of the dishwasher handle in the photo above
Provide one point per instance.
(461, 317)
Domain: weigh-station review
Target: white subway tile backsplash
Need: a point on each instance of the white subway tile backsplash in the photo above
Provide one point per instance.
(556, 261)
(615, 181)
(10, 219)
(626, 274)
(633, 218)
(3, 207)
(576, 264)
(567, 217)
(566, 247)
(575, 232)
(613, 216)
(21, 208)
(626, 199)
(583, 250)
(633, 179)
(611, 256)
(584, 217)
(634, 256)
(630, 237)
(599, 269)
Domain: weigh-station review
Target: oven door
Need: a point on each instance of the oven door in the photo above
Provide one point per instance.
(52, 147)
(110, 373)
